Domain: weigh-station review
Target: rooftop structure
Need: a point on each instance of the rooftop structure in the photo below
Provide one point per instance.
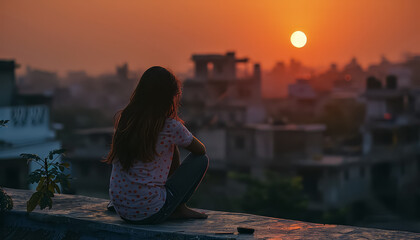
(216, 66)
(221, 92)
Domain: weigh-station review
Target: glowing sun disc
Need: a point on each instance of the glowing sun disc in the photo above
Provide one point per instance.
(298, 39)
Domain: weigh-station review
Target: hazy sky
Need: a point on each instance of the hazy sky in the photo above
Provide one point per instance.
(98, 34)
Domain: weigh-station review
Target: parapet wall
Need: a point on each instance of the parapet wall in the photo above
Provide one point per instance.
(80, 217)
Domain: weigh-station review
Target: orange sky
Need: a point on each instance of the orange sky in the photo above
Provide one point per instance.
(98, 34)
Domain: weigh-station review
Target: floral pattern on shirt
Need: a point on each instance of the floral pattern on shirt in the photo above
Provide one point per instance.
(140, 192)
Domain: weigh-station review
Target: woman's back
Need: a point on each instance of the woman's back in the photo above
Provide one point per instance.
(147, 133)
(140, 192)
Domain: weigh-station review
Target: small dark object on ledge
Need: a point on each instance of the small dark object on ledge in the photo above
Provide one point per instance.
(110, 207)
(223, 233)
(244, 230)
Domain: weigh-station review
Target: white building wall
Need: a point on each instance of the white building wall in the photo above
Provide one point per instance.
(28, 131)
(27, 124)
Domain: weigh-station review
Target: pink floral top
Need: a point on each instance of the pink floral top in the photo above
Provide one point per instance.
(140, 192)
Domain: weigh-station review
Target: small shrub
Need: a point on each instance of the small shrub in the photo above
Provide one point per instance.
(276, 196)
(48, 176)
(6, 202)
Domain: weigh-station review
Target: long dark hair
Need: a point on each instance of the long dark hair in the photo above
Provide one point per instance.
(137, 126)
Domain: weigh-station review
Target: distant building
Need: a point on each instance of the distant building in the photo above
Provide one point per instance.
(330, 181)
(28, 130)
(303, 100)
(413, 64)
(225, 97)
(38, 81)
(227, 113)
(391, 136)
(297, 150)
(86, 149)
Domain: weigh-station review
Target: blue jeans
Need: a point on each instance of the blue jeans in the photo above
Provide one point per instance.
(179, 187)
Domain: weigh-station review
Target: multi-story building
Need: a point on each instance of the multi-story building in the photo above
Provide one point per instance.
(28, 130)
(217, 94)
(391, 136)
(220, 107)
(86, 149)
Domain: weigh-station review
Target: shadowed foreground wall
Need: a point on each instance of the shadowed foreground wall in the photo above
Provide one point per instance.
(79, 217)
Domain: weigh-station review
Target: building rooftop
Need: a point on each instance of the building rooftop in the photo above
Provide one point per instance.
(8, 64)
(288, 127)
(331, 161)
(79, 217)
(103, 130)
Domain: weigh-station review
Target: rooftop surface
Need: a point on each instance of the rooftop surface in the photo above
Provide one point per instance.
(80, 217)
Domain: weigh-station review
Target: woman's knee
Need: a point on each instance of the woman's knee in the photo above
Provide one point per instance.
(202, 161)
(205, 160)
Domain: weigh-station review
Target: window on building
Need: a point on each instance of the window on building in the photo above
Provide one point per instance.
(362, 172)
(383, 137)
(210, 70)
(244, 92)
(239, 117)
(239, 142)
(411, 134)
(346, 174)
(402, 168)
(418, 164)
(232, 116)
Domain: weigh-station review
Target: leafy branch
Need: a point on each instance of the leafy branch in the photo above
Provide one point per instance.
(3, 123)
(6, 202)
(276, 195)
(48, 176)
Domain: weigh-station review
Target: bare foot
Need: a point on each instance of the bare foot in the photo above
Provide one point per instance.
(184, 212)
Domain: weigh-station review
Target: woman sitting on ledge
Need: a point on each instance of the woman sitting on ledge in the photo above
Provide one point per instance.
(148, 184)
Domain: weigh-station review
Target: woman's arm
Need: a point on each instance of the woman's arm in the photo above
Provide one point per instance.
(196, 147)
(175, 161)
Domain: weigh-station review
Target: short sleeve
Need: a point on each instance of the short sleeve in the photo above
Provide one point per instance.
(182, 137)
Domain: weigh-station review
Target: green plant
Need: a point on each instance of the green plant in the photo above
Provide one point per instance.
(3, 123)
(6, 202)
(275, 196)
(48, 176)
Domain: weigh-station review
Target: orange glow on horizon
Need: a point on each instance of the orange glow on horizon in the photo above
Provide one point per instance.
(98, 34)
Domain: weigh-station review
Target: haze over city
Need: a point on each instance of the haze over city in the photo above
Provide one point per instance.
(298, 110)
(96, 35)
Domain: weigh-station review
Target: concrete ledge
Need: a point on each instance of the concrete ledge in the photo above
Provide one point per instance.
(79, 217)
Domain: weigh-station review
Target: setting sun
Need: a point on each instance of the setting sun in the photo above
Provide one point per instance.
(298, 39)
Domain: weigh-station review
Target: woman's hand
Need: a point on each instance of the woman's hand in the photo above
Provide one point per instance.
(196, 147)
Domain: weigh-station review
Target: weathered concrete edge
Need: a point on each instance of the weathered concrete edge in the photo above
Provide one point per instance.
(58, 226)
